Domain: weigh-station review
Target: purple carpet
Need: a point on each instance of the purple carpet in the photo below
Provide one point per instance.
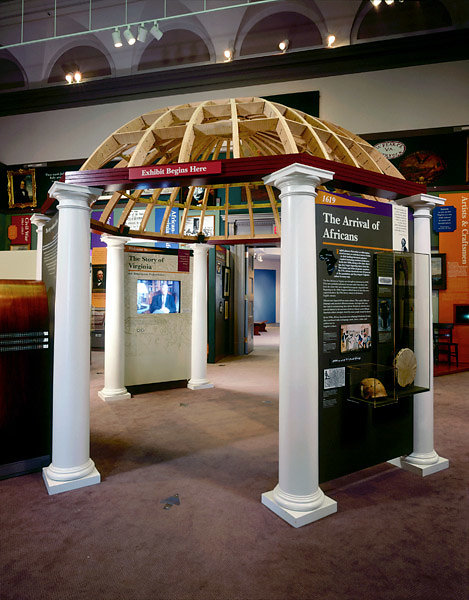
(396, 536)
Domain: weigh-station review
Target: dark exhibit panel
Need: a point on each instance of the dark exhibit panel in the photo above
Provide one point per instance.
(25, 377)
(365, 317)
(219, 304)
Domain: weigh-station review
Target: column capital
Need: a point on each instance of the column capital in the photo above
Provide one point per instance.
(114, 241)
(73, 196)
(298, 174)
(422, 204)
(200, 248)
(39, 220)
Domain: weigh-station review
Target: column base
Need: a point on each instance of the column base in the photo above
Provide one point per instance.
(199, 384)
(296, 518)
(57, 487)
(112, 395)
(423, 470)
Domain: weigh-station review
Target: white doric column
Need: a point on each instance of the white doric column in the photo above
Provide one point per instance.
(198, 378)
(71, 465)
(39, 220)
(114, 339)
(298, 498)
(423, 460)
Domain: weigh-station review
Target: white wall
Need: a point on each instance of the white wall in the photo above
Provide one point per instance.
(18, 265)
(273, 265)
(390, 100)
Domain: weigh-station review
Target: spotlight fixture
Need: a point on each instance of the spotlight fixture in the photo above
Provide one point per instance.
(330, 40)
(129, 36)
(116, 38)
(375, 2)
(389, 2)
(156, 31)
(77, 77)
(228, 54)
(283, 45)
(69, 78)
(142, 33)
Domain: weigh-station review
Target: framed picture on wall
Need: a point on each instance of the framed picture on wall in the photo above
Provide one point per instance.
(22, 188)
(438, 271)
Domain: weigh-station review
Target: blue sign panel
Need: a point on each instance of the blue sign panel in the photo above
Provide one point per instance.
(444, 218)
(172, 226)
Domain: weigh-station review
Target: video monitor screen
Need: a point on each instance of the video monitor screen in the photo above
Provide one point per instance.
(158, 296)
(461, 314)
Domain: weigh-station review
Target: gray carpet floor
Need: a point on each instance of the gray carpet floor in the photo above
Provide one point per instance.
(395, 536)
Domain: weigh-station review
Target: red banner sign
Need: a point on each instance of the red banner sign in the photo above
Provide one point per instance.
(176, 170)
(19, 231)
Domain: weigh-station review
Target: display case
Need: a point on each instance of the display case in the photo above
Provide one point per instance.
(401, 332)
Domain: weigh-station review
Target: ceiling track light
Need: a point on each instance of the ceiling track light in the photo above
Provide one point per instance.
(77, 76)
(69, 78)
(389, 2)
(283, 45)
(228, 54)
(116, 38)
(375, 2)
(129, 36)
(142, 33)
(156, 31)
(330, 40)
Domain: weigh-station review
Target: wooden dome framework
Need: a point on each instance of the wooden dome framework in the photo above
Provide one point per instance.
(205, 131)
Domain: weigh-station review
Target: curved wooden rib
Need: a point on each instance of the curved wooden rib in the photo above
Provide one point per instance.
(235, 129)
(189, 136)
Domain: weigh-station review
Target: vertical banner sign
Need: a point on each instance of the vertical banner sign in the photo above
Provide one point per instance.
(171, 226)
(400, 228)
(455, 245)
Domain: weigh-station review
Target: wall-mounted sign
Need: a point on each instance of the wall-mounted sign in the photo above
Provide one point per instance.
(175, 170)
(391, 149)
(444, 218)
(19, 231)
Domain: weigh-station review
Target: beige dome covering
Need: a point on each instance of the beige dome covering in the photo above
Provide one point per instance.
(236, 127)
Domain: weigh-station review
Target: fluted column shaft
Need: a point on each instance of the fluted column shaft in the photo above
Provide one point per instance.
(71, 465)
(297, 498)
(198, 378)
(39, 220)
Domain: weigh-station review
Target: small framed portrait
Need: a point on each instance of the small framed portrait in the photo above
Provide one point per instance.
(99, 278)
(226, 281)
(438, 271)
(22, 188)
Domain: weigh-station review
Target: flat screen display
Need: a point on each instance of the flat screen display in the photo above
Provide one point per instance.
(461, 314)
(158, 296)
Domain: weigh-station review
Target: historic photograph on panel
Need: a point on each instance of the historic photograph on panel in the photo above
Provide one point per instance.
(99, 278)
(439, 271)
(22, 188)
(384, 314)
(355, 337)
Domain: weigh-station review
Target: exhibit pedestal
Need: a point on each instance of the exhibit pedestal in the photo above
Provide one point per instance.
(55, 486)
(297, 518)
(423, 469)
